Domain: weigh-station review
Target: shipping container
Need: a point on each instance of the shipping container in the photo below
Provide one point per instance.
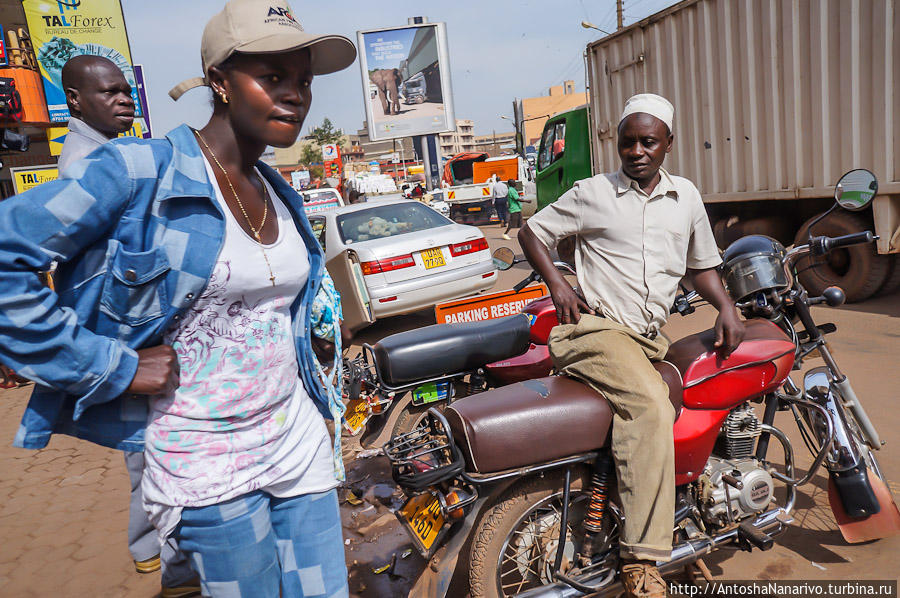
(774, 101)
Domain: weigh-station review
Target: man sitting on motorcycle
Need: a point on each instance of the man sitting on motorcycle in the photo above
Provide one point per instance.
(638, 231)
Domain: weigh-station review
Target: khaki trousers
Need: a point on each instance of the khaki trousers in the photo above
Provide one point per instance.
(615, 360)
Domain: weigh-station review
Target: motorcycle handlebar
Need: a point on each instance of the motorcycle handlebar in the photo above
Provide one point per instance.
(822, 245)
(534, 276)
(527, 281)
(830, 243)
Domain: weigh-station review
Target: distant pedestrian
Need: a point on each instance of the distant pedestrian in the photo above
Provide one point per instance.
(501, 202)
(515, 208)
(191, 283)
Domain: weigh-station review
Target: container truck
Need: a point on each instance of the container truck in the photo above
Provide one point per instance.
(774, 101)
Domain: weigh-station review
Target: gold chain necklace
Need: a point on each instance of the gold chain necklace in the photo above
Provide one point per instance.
(256, 232)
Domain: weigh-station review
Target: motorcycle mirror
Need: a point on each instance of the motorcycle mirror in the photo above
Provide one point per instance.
(504, 258)
(856, 189)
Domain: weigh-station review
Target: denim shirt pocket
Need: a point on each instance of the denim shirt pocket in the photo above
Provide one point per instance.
(134, 291)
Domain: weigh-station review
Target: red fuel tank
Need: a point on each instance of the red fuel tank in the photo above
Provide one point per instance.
(759, 365)
(543, 318)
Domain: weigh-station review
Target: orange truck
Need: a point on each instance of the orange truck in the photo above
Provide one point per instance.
(468, 185)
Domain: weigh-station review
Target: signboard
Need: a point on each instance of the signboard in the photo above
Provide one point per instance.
(4, 59)
(488, 307)
(406, 81)
(145, 104)
(331, 160)
(56, 136)
(30, 177)
(299, 179)
(63, 29)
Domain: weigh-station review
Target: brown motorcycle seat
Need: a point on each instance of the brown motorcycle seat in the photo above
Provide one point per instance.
(536, 421)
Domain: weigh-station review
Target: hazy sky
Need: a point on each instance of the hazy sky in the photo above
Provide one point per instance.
(498, 51)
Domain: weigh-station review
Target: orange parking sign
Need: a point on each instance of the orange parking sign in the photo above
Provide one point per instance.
(488, 307)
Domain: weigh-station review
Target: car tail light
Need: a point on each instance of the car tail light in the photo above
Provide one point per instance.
(388, 264)
(459, 249)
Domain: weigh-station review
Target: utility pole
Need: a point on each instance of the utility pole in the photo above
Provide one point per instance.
(619, 18)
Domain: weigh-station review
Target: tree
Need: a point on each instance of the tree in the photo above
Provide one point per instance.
(326, 133)
(311, 154)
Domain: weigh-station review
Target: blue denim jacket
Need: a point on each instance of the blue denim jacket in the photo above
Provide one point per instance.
(137, 234)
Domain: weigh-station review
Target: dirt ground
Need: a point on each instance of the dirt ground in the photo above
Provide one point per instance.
(63, 509)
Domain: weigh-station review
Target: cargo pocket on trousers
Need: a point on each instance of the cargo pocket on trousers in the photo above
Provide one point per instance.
(134, 291)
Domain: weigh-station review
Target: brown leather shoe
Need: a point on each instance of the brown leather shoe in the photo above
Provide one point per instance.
(643, 580)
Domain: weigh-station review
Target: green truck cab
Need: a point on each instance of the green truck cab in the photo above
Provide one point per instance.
(564, 155)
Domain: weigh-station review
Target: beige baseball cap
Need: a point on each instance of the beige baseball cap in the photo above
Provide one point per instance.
(265, 27)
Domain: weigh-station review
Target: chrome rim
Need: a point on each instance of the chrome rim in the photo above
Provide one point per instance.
(528, 553)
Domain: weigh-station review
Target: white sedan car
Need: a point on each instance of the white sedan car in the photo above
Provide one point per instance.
(409, 256)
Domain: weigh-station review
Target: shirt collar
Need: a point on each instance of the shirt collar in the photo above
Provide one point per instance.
(76, 125)
(666, 185)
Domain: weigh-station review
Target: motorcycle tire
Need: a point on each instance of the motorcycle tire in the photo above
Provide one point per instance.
(498, 525)
(858, 269)
(412, 416)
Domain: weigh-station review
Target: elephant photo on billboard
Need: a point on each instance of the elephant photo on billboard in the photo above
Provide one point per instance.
(387, 86)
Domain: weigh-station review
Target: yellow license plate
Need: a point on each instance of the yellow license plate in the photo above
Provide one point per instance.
(356, 416)
(422, 515)
(433, 258)
(477, 209)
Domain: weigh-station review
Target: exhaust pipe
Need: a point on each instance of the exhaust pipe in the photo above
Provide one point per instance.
(772, 523)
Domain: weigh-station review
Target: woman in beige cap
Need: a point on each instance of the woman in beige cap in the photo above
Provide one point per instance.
(191, 302)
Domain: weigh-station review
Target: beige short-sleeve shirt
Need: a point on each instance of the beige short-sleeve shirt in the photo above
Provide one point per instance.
(632, 249)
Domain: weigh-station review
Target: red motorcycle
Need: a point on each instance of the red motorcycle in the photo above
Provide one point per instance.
(521, 476)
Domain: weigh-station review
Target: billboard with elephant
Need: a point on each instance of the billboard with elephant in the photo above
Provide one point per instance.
(406, 81)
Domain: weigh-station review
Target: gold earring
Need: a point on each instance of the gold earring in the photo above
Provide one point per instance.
(223, 97)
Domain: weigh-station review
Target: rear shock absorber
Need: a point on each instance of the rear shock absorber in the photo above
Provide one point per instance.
(593, 520)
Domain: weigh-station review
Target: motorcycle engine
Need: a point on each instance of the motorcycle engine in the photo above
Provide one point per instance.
(733, 459)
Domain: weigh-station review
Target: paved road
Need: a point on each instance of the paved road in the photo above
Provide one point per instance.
(63, 515)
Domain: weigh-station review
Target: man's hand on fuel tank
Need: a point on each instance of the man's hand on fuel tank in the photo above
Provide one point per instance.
(729, 331)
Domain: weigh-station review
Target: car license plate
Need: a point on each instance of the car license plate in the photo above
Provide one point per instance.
(475, 209)
(356, 416)
(423, 517)
(433, 258)
(431, 392)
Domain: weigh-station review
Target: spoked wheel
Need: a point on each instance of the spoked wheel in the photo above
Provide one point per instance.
(413, 417)
(517, 541)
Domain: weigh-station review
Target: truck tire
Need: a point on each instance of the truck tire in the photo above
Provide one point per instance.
(858, 270)
(892, 283)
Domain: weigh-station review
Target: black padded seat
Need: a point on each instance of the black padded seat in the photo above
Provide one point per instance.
(443, 349)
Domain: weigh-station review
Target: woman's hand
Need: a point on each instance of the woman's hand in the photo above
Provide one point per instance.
(157, 371)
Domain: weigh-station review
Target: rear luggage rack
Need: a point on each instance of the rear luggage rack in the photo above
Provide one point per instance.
(426, 456)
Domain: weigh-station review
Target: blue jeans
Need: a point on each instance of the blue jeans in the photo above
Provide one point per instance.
(261, 546)
(501, 205)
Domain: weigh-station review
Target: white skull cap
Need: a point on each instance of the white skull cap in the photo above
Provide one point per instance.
(651, 104)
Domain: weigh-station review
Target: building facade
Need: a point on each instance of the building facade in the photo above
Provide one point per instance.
(461, 140)
(536, 111)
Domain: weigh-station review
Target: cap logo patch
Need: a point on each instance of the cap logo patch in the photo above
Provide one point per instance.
(281, 16)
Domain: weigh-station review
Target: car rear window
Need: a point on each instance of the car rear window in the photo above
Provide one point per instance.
(380, 222)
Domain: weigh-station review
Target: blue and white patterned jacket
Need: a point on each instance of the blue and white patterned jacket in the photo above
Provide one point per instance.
(137, 234)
